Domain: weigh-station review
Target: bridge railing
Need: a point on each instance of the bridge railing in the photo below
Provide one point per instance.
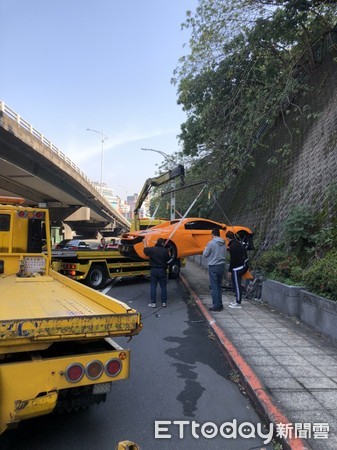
(28, 127)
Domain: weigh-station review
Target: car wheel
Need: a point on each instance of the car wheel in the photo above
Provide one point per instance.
(246, 239)
(96, 277)
(174, 269)
(172, 250)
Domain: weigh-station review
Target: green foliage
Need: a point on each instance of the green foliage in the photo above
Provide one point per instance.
(289, 268)
(307, 256)
(321, 277)
(269, 260)
(325, 239)
(244, 69)
(299, 230)
(281, 266)
(305, 235)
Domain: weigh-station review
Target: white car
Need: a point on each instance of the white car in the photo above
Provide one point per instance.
(80, 244)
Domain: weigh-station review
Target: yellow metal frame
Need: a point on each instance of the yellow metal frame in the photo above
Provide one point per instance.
(15, 240)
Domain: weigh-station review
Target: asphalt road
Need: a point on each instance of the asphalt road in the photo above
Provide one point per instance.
(177, 374)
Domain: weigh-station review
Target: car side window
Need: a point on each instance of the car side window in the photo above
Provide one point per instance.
(199, 225)
(4, 222)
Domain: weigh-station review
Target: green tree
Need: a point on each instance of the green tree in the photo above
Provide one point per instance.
(246, 65)
(300, 228)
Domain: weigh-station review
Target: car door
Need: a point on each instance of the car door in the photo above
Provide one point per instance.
(193, 237)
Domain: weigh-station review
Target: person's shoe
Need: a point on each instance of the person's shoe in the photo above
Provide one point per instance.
(235, 306)
(232, 303)
(163, 305)
(215, 308)
(152, 305)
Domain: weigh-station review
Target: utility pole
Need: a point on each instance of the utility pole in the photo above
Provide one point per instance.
(103, 138)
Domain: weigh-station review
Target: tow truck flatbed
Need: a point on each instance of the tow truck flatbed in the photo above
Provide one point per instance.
(59, 310)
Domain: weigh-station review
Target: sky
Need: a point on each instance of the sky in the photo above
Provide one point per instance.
(106, 65)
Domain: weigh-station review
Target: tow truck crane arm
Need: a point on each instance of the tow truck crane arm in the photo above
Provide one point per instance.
(177, 171)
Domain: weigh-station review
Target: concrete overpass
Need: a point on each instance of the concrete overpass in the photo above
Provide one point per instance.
(33, 168)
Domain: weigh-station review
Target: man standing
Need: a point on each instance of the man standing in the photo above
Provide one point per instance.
(237, 266)
(215, 253)
(102, 245)
(159, 257)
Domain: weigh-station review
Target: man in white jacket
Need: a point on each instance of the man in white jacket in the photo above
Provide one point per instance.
(215, 253)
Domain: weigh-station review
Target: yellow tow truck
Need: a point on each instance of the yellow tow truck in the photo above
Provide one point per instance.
(56, 346)
(96, 267)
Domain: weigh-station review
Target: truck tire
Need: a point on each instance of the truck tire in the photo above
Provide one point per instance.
(174, 269)
(96, 277)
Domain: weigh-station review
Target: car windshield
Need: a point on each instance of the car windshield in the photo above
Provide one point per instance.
(62, 243)
(76, 243)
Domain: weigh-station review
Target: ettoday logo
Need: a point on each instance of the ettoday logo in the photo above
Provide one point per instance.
(209, 430)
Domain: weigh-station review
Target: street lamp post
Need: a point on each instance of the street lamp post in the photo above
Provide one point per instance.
(173, 196)
(103, 138)
(126, 190)
(165, 155)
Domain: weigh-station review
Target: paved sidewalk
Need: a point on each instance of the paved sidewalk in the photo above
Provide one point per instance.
(287, 368)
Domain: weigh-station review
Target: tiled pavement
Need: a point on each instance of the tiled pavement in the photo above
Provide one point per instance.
(288, 369)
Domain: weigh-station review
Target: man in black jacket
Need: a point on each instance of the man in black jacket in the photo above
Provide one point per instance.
(237, 266)
(159, 258)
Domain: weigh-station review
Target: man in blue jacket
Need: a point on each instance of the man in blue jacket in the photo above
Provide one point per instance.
(215, 253)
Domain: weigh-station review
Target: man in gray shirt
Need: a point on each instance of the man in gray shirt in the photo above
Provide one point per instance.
(215, 253)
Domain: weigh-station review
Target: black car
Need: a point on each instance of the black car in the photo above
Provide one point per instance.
(62, 244)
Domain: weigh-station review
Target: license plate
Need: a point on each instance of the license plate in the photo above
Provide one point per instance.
(102, 388)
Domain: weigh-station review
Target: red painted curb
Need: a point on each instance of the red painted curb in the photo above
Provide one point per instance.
(251, 380)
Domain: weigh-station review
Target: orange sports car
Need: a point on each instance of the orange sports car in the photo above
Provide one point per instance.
(185, 237)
